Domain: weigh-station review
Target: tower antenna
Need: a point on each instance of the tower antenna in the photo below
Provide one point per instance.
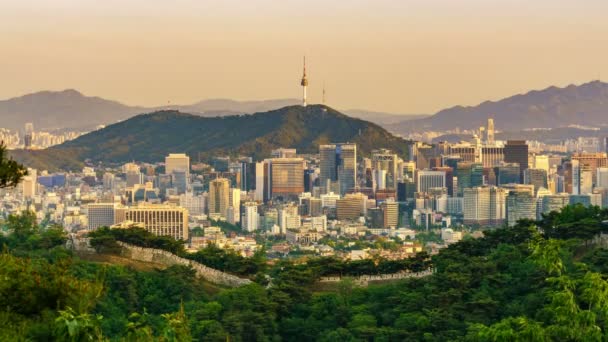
(304, 84)
(323, 92)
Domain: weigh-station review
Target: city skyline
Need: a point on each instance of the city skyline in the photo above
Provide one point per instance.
(186, 51)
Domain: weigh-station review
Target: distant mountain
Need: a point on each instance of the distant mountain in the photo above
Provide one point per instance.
(62, 109)
(150, 137)
(382, 118)
(70, 109)
(586, 104)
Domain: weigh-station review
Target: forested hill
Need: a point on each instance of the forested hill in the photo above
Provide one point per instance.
(150, 137)
(536, 281)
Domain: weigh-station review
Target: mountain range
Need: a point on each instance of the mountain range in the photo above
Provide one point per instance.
(553, 107)
(70, 109)
(150, 137)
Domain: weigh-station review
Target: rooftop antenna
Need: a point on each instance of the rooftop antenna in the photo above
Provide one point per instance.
(323, 92)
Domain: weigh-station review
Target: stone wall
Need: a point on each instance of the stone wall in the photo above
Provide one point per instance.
(159, 256)
(167, 258)
(380, 277)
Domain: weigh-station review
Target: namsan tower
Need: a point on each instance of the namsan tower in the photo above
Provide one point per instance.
(304, 84)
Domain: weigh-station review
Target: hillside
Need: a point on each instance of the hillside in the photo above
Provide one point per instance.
(586, 104)
(150, 137)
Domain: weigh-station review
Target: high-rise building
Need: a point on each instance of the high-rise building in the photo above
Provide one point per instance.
(263, 184)
(101, 215)
(179, 180)
(248, 176)
(602, 177)
(177, 161)
(484, 205)
(390, 211)
(351, 206)
(541, 161)
(521, 204)
(194, 203)
(29, 183)
(284, 153)
(591, 161)
(160, 219)
(516, 151)
(235, 204)
(287, 177)
(108, 181)
(250, 217)
(426, 179)
(28, 137)
(586, 179)
(219, 197)
(385, 160)
(555, 202)
(492, 156)
(490, 132)
(338, 163)
(469, 175)
(536, 177)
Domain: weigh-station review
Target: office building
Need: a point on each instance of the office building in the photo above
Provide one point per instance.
(29, 183)
(426, 179)
(101, 215)
(160, 219)
(287, 177)
(351, 206)
(263, 184)
(469, 175)
(555, 202)
(219, 197)
(601, 177)
(492, 156)
(516, 151)
(338, 164)
(484, 205)
(251, 217)
(386, 160)
(536, 177)
(390, 212)
(194, 203)
(177, 161)
(521, 204)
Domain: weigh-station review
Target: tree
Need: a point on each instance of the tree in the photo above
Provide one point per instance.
(11, 172)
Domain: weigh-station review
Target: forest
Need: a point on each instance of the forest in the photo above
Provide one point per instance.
(537, 281)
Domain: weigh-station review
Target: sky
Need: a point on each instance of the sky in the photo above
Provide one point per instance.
(400, 56)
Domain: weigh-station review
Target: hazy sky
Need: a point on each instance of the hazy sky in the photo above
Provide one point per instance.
(404, 56)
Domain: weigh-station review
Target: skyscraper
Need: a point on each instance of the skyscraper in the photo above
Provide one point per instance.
(521, 204)
(251, 217)
(287, 176)
(426, 179)
(516, 151)
(536, 177)
(219, 197)
(385, 160)
(177, 161)
(263, 183)
(490, 132)
(484, 205)
(338, 164)
(28, 137)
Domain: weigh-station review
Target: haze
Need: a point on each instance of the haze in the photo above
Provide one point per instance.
(399, 56)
